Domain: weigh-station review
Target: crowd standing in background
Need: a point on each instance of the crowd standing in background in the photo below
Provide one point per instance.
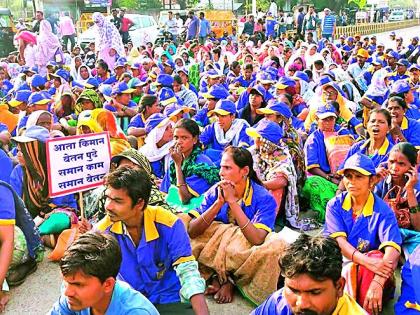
(226, 150)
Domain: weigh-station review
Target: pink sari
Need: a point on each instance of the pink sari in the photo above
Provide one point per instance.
(48, 44)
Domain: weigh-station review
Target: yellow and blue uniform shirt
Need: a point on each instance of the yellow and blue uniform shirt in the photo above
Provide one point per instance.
(375, 228)
(410, 129)
(409, 301)
(394, 76)
(277, 304)
(257, 204)
(7, 212)
(149, 266)
(196, 184)
(380, 156)
(316, 152)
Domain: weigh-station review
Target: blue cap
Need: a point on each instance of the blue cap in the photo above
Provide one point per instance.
(174, 109)
(182, 69)
(24, 69)
(277, 108)
(121, 88)
(216, 91)
(266, 129)
(403, 62)
(61, 73)
(38, 80)
(136, 82)
(301, 76)
(378, 61)
(39, 98)
(119, 64)
(223, 108)
(414, 66)
(285, 82)
(393, 54)
(392, 33)
(325, 111)
(22, 96)
(51, 63)
(122, 60)
(166, 96)
(415, 38)
(165, 80)
(259, 89)
(350, 39)
(325, 79)
(400, 86)
(360, 163)
(213, 74)
(169, 63)
(34, 133)
(33, 69)
(106, 91)
(264, 78)
(136, 65)
(272, 72)
(330, 74)
(91, 83)
(154, 121)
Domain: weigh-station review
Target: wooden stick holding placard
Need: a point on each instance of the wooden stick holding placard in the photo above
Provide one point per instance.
(82, 212)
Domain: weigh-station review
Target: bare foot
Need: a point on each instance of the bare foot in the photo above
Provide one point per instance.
(4, 298)
(225, 294)
(213, 287)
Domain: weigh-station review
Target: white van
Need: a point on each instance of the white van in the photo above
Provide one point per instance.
(144, 30)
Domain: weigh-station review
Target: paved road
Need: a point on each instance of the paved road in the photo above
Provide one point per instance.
(42, 288)
(406, 34)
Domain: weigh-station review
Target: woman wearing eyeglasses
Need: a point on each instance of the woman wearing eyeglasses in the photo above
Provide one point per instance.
(331, 92)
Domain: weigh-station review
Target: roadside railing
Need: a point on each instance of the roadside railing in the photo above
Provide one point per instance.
(374, 28)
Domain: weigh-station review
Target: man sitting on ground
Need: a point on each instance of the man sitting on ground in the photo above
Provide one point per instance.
(313, 283)
(156, 250)
(89, 269)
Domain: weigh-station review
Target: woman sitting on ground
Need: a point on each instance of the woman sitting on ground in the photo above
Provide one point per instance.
(227, 130)
(321, 161)
(403, 129)
(367, 232)
(100, 120)
(402, 181)
(191, 173)
(158, 142)
(229, 231)
(279, 112)
(274, 167)
(377, 146)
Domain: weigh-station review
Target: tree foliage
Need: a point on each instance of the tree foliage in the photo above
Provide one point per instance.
(138, 4)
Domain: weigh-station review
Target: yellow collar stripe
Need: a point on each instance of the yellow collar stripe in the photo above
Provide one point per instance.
(367, 209)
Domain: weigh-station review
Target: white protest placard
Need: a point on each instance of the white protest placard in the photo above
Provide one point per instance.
(77, 163)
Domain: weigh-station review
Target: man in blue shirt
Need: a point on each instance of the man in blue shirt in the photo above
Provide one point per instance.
(313, 283)
(193, 27)
(204, 30)
(328, 25)
(157, 257)
(89, 268)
